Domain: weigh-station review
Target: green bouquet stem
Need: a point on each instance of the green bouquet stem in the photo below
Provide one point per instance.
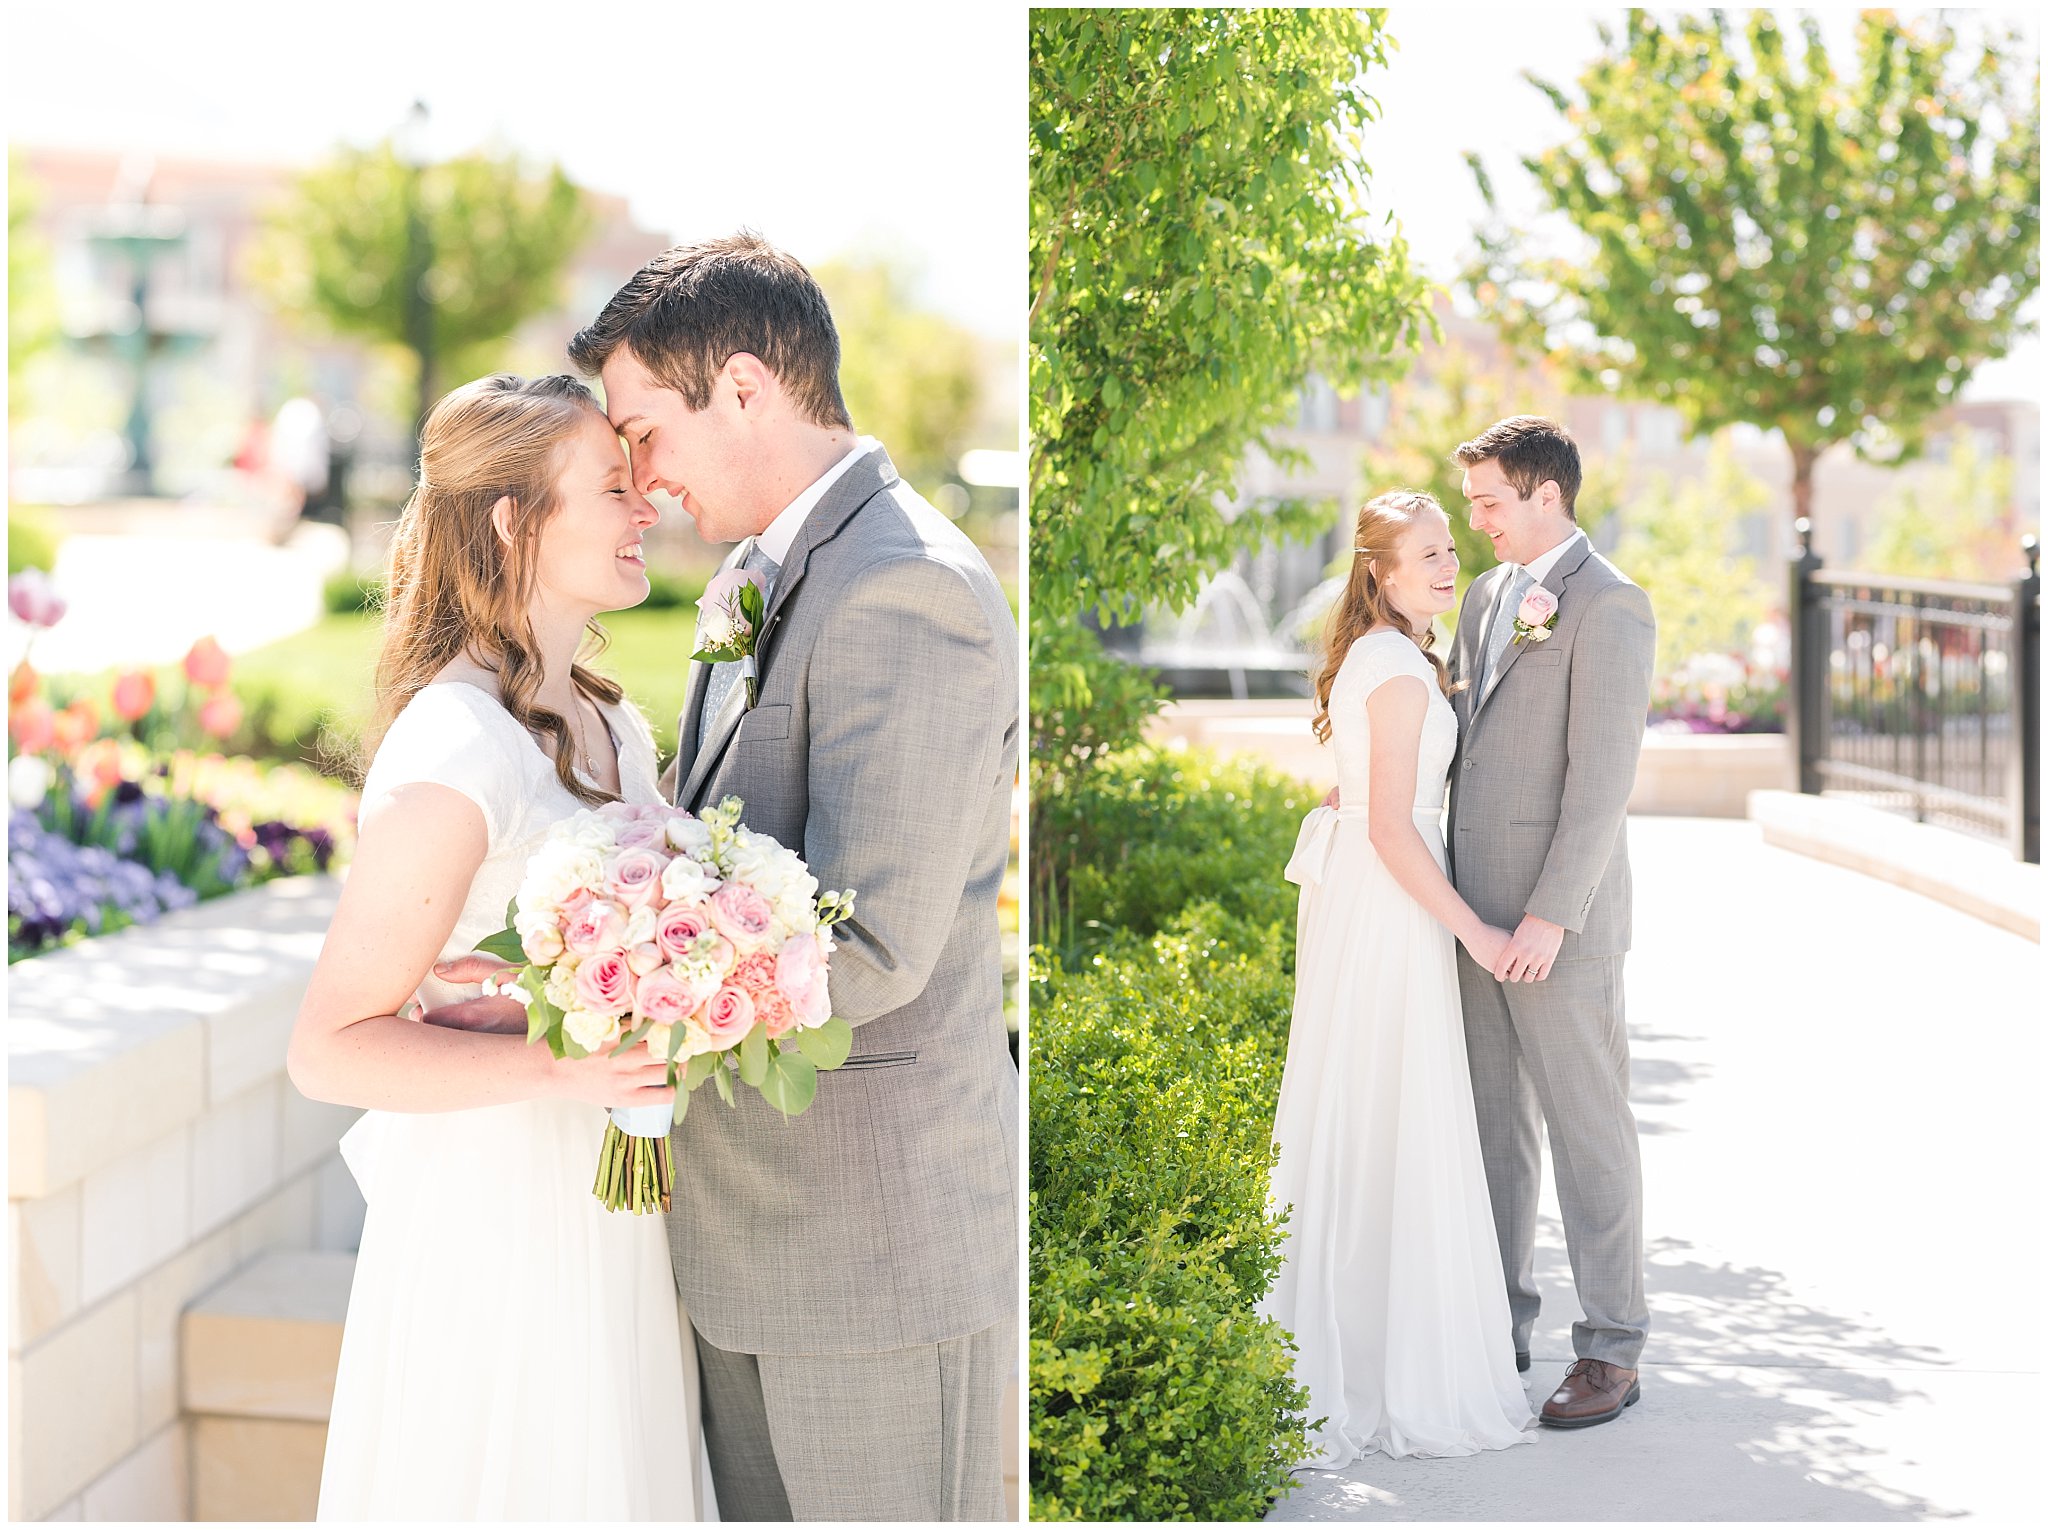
(635, 1174)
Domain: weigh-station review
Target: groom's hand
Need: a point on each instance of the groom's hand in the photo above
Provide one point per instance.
(1531, 953)
(499, 1016)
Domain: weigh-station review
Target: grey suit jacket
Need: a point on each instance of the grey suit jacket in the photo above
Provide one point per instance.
(1547, 756)
(884, 748)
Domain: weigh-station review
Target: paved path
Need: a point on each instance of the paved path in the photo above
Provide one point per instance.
(1838, 1086)
(144, 596)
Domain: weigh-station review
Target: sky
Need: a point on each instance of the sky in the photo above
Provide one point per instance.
(1455, 84)
(830, 129)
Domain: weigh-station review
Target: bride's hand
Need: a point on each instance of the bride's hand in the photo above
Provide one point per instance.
(601, 1079)
(496, 1016)
(1487, 945)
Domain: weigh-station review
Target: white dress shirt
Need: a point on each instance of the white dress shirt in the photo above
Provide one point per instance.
(1539, 568)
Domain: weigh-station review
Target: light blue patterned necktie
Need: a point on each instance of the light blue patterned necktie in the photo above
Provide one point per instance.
(1502, 632)
(726, 675)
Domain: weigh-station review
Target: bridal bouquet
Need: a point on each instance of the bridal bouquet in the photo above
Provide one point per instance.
(693, 936)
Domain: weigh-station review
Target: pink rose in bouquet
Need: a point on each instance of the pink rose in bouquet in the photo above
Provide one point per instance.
(645, 833)
(597, 926)
(633, 877)
(705, 940)
(604, 984)
(742, 916)
(729, 1014)
(664, 998)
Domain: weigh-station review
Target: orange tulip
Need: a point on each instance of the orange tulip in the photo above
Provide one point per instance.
(207, 664)
(100, 763)
(76, 726)
(134, 695)
(221, 714)
(22, 683)
(33, 725)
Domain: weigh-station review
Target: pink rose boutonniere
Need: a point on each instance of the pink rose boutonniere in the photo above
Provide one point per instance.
(1536, 617)
(729, 616)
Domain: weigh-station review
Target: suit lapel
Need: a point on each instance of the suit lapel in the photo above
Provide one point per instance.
(861, 482)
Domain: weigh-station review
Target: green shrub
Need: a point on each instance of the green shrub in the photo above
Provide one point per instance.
(1143, 834)
(353, 590)
(668, 590)
(31, 541)
(1156, 1391)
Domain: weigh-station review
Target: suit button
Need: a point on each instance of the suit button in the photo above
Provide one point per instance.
(1468, 764)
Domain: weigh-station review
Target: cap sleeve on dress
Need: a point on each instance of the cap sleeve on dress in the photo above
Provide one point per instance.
(1383, 656)
(454, 736)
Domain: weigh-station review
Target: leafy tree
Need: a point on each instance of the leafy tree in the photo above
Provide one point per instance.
(1199, 245)
(1956, 523)
(1776, 244)
(910, 376)
(1681, 544)
(442, 260)
(32, 325)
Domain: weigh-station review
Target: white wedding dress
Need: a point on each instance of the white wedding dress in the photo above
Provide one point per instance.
(513, 1350)
(1392, 1282)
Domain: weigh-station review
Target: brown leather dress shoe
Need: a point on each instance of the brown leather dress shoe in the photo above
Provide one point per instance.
(1592, 1393)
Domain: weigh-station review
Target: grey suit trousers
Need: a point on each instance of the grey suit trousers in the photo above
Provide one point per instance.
(904, 1434)
(1561, 1045)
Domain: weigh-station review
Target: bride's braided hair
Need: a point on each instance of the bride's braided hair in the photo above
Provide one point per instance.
(455, 588)
(1364, 603)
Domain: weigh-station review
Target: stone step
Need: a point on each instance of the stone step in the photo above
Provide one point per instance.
(265, 1344)
(260, 1352)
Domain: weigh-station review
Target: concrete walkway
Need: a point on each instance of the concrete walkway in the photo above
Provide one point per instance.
(143, 593)
(1838, 1086)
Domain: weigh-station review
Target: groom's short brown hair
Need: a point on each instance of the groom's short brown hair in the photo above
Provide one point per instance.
(694, 306)
(1529, 449)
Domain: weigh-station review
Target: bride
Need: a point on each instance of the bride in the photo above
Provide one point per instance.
(513, 1350)
(1391, 1278)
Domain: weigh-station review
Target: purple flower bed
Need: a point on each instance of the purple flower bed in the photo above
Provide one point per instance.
(75, 869)
(56, 888)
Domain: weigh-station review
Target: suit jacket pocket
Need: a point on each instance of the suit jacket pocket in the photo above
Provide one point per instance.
(764, 723)
(879, 1060)
(1540, 659)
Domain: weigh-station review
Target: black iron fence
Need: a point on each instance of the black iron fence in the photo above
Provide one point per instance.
(1921, 695)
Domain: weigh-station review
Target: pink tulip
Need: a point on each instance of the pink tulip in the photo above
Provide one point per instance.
(206, 665)
(221, 715)
(134, 695)
(33, 599)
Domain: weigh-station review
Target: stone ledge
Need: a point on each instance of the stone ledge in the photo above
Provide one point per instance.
(266, 1343)
(1973, 875)
(120, 1040)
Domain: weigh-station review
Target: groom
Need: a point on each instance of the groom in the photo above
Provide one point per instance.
(851, 1273)
(1550, 723)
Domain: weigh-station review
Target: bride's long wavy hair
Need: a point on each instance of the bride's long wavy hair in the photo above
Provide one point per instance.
(454, 587)
(1364, 604)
